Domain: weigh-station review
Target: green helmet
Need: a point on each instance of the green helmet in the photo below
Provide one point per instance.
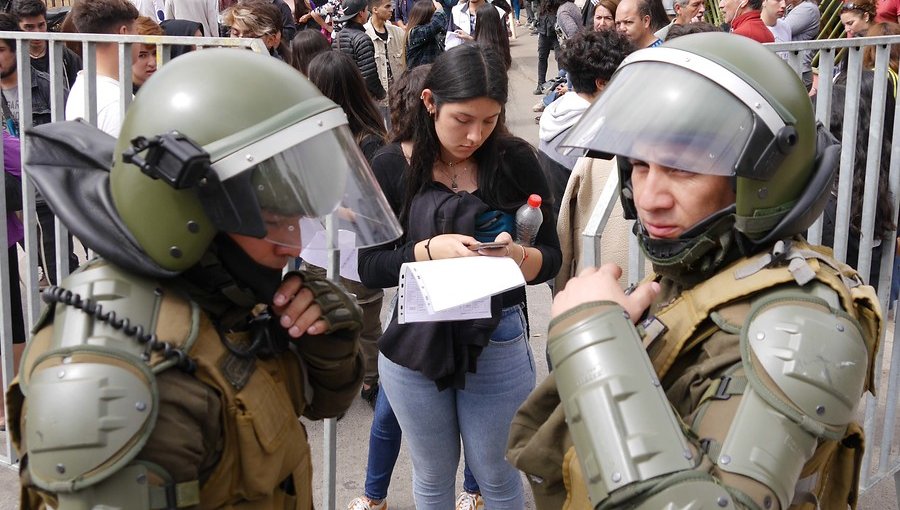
(719, 104)
(250, 153)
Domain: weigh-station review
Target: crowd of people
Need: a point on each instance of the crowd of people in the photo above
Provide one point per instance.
(424, 86)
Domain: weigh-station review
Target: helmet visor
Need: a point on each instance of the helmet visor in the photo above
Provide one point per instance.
(665, 114)
(323, 174)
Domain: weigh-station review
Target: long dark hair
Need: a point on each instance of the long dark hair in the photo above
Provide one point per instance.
(403, 98)
(338, 78)
(305, 46)
(884, 221)
(419, 14)
(490, 32)
(467, 72)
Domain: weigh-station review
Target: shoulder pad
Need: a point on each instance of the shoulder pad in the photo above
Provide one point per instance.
(806, 357)
(88, 378)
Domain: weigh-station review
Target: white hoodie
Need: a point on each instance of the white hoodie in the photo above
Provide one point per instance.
(556, 121)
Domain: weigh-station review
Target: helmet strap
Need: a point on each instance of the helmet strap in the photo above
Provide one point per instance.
(696, 254)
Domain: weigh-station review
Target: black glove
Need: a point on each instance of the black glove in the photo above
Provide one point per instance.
(339, 308)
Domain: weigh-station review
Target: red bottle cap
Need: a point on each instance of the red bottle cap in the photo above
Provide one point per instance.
(534, 200)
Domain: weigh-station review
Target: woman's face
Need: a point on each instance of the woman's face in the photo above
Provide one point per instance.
(144, 63)
(603, 19)
(463, 126)
(855, 23)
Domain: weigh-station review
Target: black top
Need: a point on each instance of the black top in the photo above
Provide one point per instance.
(379, 267)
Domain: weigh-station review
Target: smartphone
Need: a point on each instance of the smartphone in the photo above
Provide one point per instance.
(487, 246)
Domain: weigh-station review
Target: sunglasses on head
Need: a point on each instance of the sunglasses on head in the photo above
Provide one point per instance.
(850, 7)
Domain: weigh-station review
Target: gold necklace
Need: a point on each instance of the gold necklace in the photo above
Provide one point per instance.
(453, 178)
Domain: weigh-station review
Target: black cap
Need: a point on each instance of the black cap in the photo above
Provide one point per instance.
(349, 9)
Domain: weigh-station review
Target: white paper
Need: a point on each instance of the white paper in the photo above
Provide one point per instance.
(453, 39)
(316, 253)
(454, 289)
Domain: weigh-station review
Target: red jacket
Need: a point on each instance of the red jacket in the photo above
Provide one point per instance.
(750, 25)
(888, 10)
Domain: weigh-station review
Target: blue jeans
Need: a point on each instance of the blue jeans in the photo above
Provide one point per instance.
(434, 421)
(384, 448)
(516, 9)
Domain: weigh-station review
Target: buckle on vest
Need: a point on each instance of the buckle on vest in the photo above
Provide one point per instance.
(721, 392)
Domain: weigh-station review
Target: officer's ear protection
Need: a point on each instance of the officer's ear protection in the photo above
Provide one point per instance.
(183, 164)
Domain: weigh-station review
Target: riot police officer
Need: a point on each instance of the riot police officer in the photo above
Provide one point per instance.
(171, 370)
(731, 377)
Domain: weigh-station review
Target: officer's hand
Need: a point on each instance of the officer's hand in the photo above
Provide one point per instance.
(602, 284)
(299, 312)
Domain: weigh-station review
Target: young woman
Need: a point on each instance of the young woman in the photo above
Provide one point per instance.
(466, 168)
(425, 32)
(305, 46)
(490, 32)
(143, 56)
(336, 75)
(603, 16)
(857, 16)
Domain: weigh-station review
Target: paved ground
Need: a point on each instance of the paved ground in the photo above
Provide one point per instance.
(353, 430)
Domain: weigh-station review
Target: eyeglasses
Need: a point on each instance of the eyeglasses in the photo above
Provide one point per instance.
(850, 6)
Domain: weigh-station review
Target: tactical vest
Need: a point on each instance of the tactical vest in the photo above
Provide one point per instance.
(830, 478)
(264, 461)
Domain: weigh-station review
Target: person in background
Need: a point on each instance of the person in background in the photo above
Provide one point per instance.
(857, 17)
(114, 17)
(258, 19)
(803, 18)
(634, 19)
(306, 46)
(686, 11)
(389, 42)
(772, 15)
(464, 159)
(181, 28)
(425, 33)
(603, 15)
(888, 11)
(15, 233)
(32, 16)
(743, 16)
(547, 40)
(491, 32)
(143, 56)
(590, 58)
(352, 40)
(204, 12)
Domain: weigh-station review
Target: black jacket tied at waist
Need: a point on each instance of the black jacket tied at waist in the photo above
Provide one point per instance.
(441, 351)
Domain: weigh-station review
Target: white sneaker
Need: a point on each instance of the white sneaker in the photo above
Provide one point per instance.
(468, 501)
(364, 503)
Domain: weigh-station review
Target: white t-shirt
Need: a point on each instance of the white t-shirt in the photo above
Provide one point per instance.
(109, 119)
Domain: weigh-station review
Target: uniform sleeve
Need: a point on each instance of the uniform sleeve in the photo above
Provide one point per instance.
(334, 372)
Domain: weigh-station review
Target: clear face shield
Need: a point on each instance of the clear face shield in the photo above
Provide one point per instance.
(323, 173)
(692, 116)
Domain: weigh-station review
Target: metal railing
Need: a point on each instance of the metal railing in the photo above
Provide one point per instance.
(882, 459)
(58, 84)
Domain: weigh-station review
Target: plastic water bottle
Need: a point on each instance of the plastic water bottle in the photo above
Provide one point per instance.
(528, 220)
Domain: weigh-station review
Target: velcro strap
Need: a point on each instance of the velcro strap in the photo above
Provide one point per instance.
(171, 496)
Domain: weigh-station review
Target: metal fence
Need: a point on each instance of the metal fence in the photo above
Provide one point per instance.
(88, 44)
(882, 459)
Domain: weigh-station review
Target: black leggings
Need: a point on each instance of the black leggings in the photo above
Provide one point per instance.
(545, 44)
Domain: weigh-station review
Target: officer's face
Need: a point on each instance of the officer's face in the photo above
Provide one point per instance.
(265, 252)
(669, 202)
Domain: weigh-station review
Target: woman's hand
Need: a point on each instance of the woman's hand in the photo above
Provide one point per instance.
(298, 311)
(463, 35)
(304, 18)
(511, 249)
(602, 284)
(445, 246)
